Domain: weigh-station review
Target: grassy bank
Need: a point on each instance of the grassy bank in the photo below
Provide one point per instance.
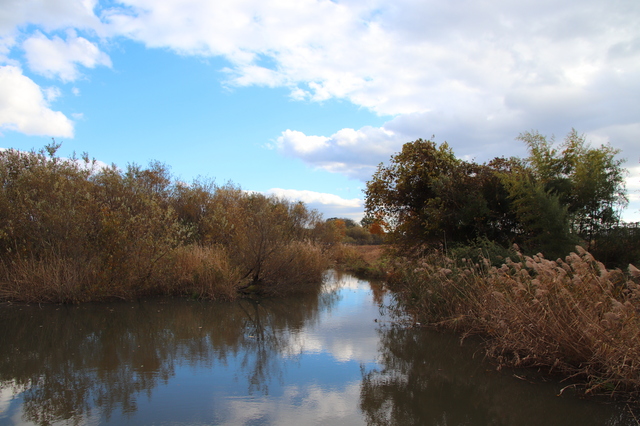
(368, 261)
(571, 316)
(73, 232)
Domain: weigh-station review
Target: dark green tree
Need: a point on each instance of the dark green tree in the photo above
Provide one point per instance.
(588, 181)
(429, 198)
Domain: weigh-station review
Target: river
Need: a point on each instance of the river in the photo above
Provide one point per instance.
(337, 357)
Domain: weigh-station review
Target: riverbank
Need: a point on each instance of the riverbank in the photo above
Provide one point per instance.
(73, 232)
(368, 261)
(571, 317)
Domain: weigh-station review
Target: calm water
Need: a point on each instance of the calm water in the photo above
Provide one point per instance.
(336, 357)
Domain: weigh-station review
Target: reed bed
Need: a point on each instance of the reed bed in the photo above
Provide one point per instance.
(570, 316)
(52, 280)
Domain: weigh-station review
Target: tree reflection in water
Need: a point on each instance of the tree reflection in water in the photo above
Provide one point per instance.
(270, 361)
(429, 378)
(69, 362)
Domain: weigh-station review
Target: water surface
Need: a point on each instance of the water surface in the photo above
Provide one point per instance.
(335, 357)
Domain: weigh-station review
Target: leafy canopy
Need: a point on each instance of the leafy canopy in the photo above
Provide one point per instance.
(427, 197)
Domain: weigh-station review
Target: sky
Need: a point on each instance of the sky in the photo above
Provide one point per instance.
(305, 98)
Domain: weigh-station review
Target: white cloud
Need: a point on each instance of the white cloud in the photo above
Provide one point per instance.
(632, 213)
(51, 93)
(315, 197)
(354, 153)
(474, 75)
(330, 205)
(49, 14)
(6, 44)
(59, 58)
(399, 58)
(23, 107)
(633, 181)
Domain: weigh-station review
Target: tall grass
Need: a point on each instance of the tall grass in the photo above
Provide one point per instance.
(370, 261)
(201, 272)
(570, 316)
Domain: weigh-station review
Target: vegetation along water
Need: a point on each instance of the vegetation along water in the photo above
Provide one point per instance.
(509, 250)
(527, 253)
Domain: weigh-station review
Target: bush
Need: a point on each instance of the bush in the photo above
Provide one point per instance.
(71, 232)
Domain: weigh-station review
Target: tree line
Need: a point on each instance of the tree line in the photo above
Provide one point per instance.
(555, 198)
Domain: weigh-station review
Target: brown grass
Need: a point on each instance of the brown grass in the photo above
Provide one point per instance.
(202, 272)
(570, 316)
(295, 268)
(365, 260)
(370, 253)
(44, 281)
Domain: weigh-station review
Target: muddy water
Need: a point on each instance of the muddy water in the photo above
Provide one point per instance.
(336, 357)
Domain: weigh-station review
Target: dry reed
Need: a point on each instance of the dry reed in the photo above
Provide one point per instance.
(202, 272)
(53, 280)
(571, 316)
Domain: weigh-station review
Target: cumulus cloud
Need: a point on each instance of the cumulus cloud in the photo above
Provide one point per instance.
(479, 74)
(60, 58)
(357, 153)
(403, 57)
(475, 76)
(354, 153)
(330, 205)
(51, 93)
(24, 108)
(6, 44)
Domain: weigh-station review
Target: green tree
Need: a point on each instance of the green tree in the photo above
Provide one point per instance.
(541, 219)
(588, 181)
(428, 196)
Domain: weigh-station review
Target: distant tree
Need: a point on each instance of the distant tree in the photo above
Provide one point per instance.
(352, 232)
(375, 226)
(339, 225)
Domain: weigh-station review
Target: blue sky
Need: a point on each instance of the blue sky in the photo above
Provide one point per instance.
(304, 98)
